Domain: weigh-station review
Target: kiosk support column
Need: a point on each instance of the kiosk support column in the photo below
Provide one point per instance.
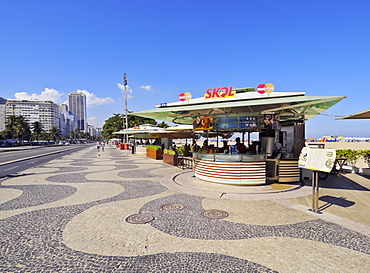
(315, 191)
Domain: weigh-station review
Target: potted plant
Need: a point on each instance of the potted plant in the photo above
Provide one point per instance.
(154, 151)
(366, 156)
(351, 155)
(170, 157)
(183, 151)
(203, 150)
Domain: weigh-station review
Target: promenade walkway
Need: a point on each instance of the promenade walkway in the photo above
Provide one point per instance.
(117, 212)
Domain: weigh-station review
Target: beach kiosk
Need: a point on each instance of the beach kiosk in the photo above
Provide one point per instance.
(278, 118)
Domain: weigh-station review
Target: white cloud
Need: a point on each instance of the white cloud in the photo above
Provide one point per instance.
(146, 87)
(93, 100)
(49, 94)
(128, 90)
(92, 121)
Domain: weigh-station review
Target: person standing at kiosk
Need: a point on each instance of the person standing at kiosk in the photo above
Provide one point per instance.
(240, 146)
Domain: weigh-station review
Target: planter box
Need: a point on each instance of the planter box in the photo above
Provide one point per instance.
(366, 172)
(170, 159)
(155, 154)
(355, 169)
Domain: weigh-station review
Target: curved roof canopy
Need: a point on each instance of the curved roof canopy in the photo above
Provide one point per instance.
(290, 107)
(360, 115)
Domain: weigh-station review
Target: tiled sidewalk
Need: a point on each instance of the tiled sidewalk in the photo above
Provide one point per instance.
(70, 216)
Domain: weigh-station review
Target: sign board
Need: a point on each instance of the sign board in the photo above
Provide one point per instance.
(185, 96)
(219, 93)
(265, 88)
(317, 159)
(203, 123)
(234, 123)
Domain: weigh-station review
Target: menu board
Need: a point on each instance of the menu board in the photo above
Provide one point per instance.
(237, 123)
(317, 159)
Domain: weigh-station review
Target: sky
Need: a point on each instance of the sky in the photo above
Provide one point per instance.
(166, 47)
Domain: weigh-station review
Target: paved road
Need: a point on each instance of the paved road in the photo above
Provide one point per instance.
(113, 212)
(10, 155)
(19, 159)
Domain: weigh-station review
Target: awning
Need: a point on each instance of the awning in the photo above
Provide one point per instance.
(360, 115)
(290, 107)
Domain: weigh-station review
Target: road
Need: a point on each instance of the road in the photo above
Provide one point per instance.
(16, 160)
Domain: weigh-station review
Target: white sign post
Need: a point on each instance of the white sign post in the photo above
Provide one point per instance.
(317, 160)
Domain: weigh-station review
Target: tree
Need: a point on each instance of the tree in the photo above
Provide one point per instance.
(22, 129)
(37, 129)
(111, 125)
(163, 125)
(10, 126)
(55, 133)
(17, 127)
(115, 124)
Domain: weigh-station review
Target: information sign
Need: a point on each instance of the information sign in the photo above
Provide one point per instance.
(317, 159)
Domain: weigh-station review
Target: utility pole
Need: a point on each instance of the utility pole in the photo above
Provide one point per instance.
(125, 125)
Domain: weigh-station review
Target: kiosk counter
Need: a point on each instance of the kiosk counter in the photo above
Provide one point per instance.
(245, 169)
(233, 169)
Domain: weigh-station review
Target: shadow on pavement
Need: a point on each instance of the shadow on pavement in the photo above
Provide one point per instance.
(332, 200)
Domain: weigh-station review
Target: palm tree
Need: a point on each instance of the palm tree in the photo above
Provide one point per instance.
(78, 133)
(163, 125)
(10, 125)
(22, 128)
(55, 133)
(17, 127)
(37, 128)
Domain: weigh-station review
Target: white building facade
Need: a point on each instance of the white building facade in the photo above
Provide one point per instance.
(45, 112)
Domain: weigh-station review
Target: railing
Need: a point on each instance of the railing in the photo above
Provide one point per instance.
(185, 163)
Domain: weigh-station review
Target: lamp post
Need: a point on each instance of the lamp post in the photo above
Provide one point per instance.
(125, 122)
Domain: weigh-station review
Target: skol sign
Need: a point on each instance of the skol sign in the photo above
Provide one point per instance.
(222, 92)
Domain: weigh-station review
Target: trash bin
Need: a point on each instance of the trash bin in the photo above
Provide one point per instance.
(122, 146)
(127, 146)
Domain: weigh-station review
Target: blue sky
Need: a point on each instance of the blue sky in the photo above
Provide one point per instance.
(49, 48)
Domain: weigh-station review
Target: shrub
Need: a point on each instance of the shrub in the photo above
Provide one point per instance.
(183, 150)
(351, 155)
(366, 156)
(154, 147)
(170, 152)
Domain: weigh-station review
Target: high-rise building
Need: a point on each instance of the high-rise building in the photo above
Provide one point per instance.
(68, 120)
(45, 112)
(77, 105)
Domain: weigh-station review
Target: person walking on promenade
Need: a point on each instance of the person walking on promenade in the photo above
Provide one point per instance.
(98, 146)
(102, 146)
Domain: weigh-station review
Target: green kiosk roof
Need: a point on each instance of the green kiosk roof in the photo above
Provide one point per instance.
(290, 107)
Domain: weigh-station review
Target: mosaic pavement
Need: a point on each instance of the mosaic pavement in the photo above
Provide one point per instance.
(71, 215)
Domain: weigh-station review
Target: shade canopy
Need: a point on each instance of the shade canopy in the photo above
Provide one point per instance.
(290, 107)
(150, 131)
(147, 131)
(360, 115)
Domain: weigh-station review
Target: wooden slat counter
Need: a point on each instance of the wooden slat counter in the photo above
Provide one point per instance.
(233, 169)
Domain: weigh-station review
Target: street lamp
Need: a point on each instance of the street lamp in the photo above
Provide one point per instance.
(126, 109)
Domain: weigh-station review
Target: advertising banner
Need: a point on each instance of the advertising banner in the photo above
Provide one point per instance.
(203, 123)
(271, 121)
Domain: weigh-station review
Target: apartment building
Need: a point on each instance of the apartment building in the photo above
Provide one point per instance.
(45, 112)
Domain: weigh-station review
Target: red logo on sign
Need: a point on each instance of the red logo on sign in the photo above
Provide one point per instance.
(261, 88)
(184, 96)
